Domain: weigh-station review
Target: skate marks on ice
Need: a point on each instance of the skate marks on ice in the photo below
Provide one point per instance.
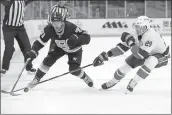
(73, 87)
(153, 88)
(75, 96)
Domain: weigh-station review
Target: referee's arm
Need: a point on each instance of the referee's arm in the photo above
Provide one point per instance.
(5, 2)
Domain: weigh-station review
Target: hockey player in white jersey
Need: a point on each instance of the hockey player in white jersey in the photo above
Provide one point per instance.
(148, 49)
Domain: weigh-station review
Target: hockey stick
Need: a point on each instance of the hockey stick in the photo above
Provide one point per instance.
(12, 91)
(26, 88)
(65, 73)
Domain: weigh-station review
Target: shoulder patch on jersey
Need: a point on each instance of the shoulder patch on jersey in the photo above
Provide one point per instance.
(42, 35)
(78, 30)
(148, 43)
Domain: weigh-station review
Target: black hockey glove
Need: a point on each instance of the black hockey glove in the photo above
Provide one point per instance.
(31, 54)
(100, 59)
(72, 41)
(127, 38)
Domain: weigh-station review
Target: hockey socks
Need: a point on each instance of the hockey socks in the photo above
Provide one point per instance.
(142, 73)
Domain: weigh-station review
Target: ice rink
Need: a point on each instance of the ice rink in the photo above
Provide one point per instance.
(70, 95)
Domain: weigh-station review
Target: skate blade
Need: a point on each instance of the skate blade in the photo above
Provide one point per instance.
(14, 94)
(11, 93)
(101, 89)
(127, 92)
(6, 92)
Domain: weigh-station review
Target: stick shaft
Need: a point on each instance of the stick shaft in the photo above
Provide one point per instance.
(20, 74)
(65, 73)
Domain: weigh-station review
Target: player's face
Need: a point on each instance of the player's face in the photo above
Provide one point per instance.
(57, 25)
(140, 30)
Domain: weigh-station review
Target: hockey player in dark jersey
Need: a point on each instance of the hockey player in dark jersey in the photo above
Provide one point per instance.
(68, 39)
(60, 4)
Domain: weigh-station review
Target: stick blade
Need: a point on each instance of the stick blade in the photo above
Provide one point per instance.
(11, 93)
(14, 94)
(6, 92)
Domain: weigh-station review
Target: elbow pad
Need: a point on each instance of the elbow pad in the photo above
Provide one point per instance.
(37, 46)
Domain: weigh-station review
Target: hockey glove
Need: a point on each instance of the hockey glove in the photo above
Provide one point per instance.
(72, 41)
(100, 59)
(31, 54)
(127, 38)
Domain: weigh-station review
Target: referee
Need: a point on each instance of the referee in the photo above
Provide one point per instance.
(13, 27)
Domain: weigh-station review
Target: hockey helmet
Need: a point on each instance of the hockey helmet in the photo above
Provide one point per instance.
(142, 24)
(58, 13)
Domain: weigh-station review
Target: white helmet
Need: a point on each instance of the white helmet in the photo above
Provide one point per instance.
(142, 24)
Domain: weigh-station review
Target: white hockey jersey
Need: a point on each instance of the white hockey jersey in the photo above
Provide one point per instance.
(151, 42)
(148, 44)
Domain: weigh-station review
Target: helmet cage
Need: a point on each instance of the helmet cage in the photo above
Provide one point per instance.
(57, 14)
(56, 17)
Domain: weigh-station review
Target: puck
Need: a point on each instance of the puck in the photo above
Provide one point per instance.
(26, 89)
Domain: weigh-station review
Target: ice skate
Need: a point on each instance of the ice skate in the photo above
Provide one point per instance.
(109, 84)
(33, 83)
(87, 80)
(131, 86)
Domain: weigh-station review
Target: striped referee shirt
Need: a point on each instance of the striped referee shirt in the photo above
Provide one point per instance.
(14, 13)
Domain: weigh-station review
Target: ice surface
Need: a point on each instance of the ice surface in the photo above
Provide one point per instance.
(70, 95)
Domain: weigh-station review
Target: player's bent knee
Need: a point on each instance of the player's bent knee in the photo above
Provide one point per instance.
(124, 69)
(133, 62)
(49, 61)
(151, 62)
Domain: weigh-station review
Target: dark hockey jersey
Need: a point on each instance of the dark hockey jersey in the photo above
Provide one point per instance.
(60, 40)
